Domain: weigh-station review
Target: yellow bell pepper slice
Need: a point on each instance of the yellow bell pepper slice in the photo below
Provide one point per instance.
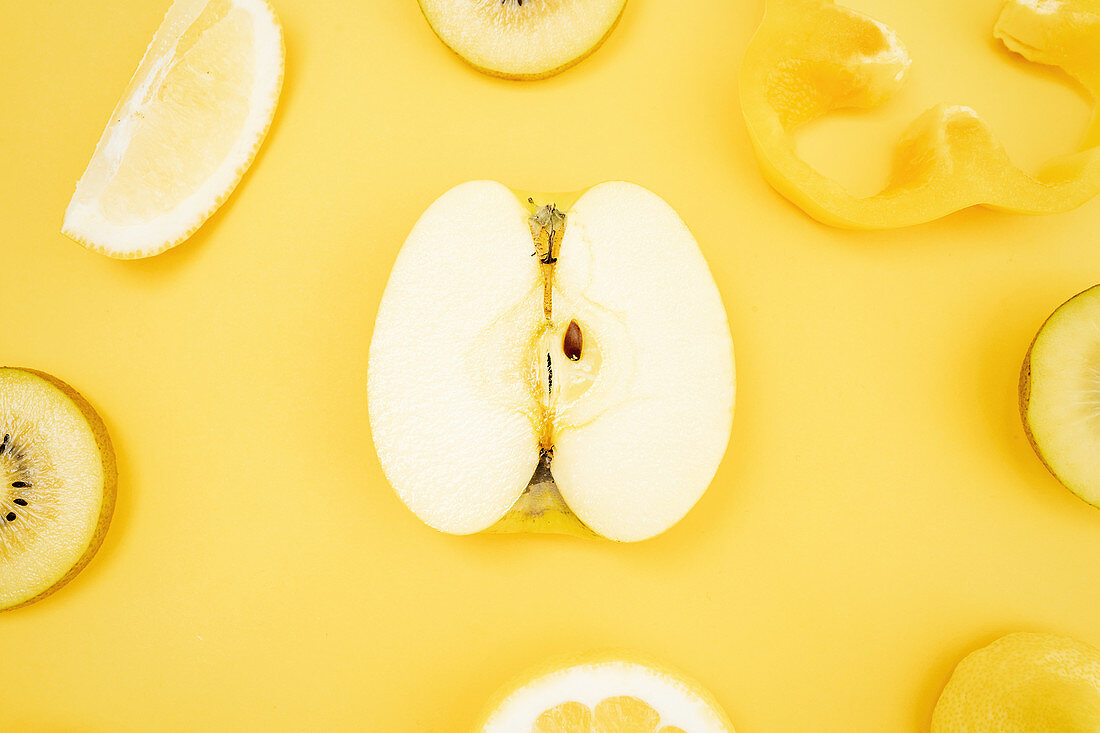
(809, 57)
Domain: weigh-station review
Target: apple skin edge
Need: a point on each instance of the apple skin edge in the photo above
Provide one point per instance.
(564, 200)
(542, 510)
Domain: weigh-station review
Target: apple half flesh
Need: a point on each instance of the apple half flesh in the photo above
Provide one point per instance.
(522, 39)
(1060, 394)
(539, 370)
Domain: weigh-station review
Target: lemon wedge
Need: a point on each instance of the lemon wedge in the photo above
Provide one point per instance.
(186, 129)
(606, 694)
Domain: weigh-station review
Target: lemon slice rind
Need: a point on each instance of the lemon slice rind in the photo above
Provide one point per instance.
(681, 702)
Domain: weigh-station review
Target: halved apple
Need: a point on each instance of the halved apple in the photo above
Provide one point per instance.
(1060, 394)
(539, 370)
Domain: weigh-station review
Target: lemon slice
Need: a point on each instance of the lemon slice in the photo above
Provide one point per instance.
(186, 129)
(1023, 683)
(607, 694)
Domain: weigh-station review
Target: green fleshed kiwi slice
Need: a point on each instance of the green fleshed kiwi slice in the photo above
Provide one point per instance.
(57, 485)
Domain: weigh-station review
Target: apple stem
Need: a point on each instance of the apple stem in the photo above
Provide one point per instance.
(547, 225)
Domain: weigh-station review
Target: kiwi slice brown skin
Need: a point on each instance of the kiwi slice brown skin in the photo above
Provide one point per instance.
(1024, 401)
(110, 484)
(528, 77)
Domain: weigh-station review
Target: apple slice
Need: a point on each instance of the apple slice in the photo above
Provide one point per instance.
(522, 40)
(545, 371)
(1060, 394)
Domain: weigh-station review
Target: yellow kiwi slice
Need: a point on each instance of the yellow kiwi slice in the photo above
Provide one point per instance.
(58, 485)
(1060, 394)
(522, 39)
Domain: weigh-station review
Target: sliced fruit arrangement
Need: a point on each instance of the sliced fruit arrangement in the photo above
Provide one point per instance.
(812, 57)
(58, 490)
(1023, 683)
(534, 369)
(186, 129)
(1060, 394)
(606, 694)
(522, 39)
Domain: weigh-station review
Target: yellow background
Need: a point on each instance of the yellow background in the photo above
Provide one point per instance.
(878, 514)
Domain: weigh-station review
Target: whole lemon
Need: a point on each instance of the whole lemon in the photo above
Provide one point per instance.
(1023, 683)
